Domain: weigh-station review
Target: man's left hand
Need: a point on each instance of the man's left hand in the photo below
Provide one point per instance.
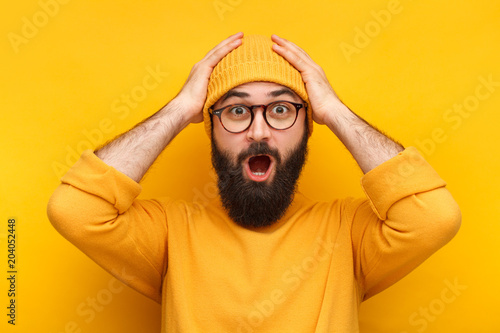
(322, 97)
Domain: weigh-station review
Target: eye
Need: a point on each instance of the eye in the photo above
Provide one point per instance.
(280, 110)
(238, 111)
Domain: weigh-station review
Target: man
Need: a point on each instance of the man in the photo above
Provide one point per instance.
(261, 258)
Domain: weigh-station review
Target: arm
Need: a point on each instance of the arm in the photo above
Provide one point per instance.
(409, 213)
(96, 207)
(368, 146)
(408, 216)
(133, 152)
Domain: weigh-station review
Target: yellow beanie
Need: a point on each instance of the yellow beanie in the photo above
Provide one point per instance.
(252, 61)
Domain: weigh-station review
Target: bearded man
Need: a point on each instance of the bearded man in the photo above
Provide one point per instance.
(261, 257)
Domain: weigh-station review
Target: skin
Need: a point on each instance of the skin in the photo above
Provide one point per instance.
(368, 146)
(259, 93)
(133, 152)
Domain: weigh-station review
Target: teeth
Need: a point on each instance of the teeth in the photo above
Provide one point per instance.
(259, 173)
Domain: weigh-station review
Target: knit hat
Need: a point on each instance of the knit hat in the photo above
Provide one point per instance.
(252, 61)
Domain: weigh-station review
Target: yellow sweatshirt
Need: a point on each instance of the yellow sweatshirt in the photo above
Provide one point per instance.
(307, 273)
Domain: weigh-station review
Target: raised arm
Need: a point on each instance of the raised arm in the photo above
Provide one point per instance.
(133, 152)
(368, 146)
(96, 207)
(408, 213)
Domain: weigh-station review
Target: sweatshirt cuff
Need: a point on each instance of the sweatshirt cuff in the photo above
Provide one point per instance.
(406, 174)
(92, 175)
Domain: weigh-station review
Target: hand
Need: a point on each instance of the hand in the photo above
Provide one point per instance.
(192, 96)
(367, 145)
(322, 97)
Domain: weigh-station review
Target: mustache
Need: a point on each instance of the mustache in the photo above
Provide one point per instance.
(259, 148)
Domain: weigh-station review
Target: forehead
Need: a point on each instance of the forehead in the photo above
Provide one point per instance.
(258, 85)
(259, 89)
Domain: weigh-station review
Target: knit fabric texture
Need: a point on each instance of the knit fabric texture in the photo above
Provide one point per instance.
(253, 61)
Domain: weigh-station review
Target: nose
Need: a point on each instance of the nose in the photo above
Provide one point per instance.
(259, 130)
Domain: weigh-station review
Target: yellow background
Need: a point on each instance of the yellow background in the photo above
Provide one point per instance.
(61, 87)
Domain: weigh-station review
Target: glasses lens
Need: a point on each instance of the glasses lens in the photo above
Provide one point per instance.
(236, 118)
(281, 115)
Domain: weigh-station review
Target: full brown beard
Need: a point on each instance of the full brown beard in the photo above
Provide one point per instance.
(258, 204)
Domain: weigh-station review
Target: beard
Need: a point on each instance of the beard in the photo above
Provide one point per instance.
(254, 204)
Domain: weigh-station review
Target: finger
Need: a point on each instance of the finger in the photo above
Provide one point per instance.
(221, 52)
(226, 41)
(205, 66)
(289, 44)
(299, 60)
(285, 42)
(295, 55)
(293, 58)
(231, 42)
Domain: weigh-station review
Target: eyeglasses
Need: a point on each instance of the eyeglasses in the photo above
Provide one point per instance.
(237, 118)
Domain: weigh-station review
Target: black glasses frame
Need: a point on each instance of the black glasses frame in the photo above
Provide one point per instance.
(297, 106)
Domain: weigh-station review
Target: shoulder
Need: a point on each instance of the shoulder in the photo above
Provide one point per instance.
(343, 208)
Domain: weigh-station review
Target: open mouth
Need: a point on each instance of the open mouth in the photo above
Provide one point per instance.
(259, 167)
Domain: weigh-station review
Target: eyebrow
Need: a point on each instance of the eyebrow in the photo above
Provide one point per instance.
(282, 91)
(242, 94)
(234, 93)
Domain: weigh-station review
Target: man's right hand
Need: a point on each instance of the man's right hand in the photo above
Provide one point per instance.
(192, 96)
(133, 152)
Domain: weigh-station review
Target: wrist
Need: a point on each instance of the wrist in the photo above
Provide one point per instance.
(185, 110)
(176, 114)
(338, 113)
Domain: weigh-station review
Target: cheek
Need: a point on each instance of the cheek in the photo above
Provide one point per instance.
(219, 133)
(285, 146)
(227, 142)
(290, 139)
(220, 136)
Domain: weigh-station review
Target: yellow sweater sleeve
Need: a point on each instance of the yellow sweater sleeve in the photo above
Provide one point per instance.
(96, 209)
(408, 216)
